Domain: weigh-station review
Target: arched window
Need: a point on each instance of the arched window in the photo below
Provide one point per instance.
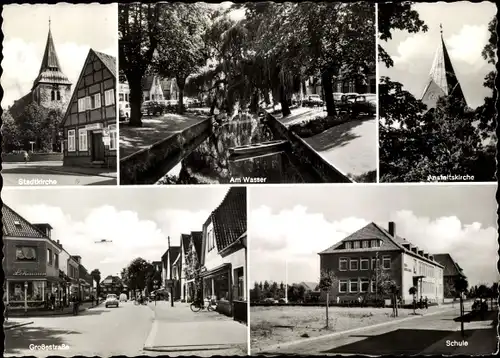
(58, 95)
(52, 95)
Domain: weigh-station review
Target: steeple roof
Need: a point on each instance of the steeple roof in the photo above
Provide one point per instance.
(443, 80)
(50, 69)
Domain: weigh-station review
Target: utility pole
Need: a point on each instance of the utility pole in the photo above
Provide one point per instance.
(286, 281)
(170, 269)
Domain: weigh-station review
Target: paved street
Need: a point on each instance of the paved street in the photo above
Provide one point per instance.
(99, 331)
(421, 335)
(179, 331)
(52, 174)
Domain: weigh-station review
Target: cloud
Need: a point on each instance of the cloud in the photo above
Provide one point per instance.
(131, 235)
(297, 235)
(411, 48)
(468, 44)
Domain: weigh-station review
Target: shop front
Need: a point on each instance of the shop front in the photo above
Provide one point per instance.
(216, 285)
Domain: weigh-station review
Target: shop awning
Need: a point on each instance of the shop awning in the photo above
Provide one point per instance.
(216, 271)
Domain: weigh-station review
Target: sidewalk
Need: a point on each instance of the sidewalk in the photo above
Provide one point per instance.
(191, 332)
(66, 311)
(101, 172)
(16, 323)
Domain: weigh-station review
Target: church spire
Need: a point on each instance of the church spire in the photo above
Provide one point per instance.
(442, 78)
(50, 69)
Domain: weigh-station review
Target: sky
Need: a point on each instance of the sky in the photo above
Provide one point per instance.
(75, 29)
(300, 222)
(465, 32)
(137, 220)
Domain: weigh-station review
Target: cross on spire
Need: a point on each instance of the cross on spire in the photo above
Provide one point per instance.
(441, 28)
(49, 22)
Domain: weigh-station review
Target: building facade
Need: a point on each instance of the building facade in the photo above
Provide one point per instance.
(363, 258)
(170, 89)
(167, 266)
(112, 285)
(190, 259)
(224, 253)
(32, 263)
(151, 88)
(90, 121)
(451, 273)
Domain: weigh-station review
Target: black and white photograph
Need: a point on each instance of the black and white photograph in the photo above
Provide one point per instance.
(257, 93)
(59, 119)
(381, 270)
(125, 271)
(437, 91)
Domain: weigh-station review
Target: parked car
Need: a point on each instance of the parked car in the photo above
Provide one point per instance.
(281, 300)
(479, 305)
(123, 297)
(363, 105)
(124, 111)
(337, 97)
(111, 300)
(271, 301)
(346, 102)
(313, 100)
(153, 108)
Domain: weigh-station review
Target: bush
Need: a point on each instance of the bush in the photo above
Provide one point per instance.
(318, 125)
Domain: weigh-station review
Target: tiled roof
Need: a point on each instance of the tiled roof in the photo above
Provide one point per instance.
(19, 105)
(309, 286)
(230, 218)
(197, 237)
(451, 268)
(147, 82)
(23, 228)
(174, 252)
(108, 61)
(185, 241)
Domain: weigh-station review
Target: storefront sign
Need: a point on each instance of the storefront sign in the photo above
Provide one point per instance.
(28, 273)
(93, 126)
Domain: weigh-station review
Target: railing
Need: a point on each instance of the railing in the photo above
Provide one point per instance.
(148, 165)
(306, 154)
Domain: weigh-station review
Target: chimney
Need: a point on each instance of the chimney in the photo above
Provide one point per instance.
(392, 228)
(169, 242)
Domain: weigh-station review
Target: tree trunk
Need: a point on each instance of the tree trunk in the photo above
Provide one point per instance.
(267, 98)
(327, 303)
(181, 82)
(461, 315)
(326, 81)
(135, 100)
(285, 108)
(213, 105)
(254, 104)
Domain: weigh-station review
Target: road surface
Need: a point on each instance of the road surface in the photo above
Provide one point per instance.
(421, 335)
(99, 331)
(48, 174)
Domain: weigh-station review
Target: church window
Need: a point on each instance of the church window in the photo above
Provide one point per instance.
(58, 95)
(52, 95)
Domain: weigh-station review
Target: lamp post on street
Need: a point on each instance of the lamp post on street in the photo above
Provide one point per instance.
(32, 144)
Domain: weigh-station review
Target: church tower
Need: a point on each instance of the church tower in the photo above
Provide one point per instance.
(442, 79)
(51, 89)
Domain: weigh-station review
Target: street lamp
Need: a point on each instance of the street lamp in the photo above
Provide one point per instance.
(32, 144)
(25, 297)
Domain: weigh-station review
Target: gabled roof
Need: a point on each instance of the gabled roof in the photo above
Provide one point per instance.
(185, 240)
(197, 237)
(19, 105)
(107, 61)
(230, 218)
(50, 69)
(443, 80)
(173, 253)
(309, 286)
(16, 226)
(147, 82)
(451, 268)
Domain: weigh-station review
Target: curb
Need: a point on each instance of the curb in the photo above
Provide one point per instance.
(275, 347)
(18, 325)
(193, 348)
(79, 173)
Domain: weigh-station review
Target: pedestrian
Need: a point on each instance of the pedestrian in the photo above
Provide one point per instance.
(26, 156)
(426, 303)
(53, 301)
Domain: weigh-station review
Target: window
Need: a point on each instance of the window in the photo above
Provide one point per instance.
(17, 223)
(386, 262)
(348, 245)
(109, 97)
(58, 95)
(126, 97)
(82, 139)
(88, 103)
(365, 264)
(121, 97)
(342, 264)
(81, 104)
(414, 265)
(112, 137)
(374, 263)
(353, 265)
(365, 244)
(25, 253)
(375, 243)
(210, 240)
(343, 286)
(49, 256)
(56, 260)
(365, 285)
(353, 286)
(71, 140)
(52, 95)
(96, 101)
(356, 244)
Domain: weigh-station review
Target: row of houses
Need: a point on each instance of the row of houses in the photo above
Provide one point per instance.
(212, 262)
(153, 89)
(356, 260)
(38, 267)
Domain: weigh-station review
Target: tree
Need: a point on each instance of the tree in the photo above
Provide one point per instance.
(413, 291)
(256, 293)
(385, 285)
(192, 271)
(461, 285)
(181, 46)
(327, 281)
(11, 134)
(138, 272)
(96, 276)
(139, 29)
(396, 16)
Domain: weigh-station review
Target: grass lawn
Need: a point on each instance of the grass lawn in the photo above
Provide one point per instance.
(273, 325)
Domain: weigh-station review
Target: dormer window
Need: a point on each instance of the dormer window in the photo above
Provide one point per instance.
(17, 224)
(348, 245)
(356, 244)
(375, 243)
(365, 244)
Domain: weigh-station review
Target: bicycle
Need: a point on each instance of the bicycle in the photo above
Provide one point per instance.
(200, 305)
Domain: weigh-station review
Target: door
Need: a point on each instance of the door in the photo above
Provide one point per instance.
(97, 147)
